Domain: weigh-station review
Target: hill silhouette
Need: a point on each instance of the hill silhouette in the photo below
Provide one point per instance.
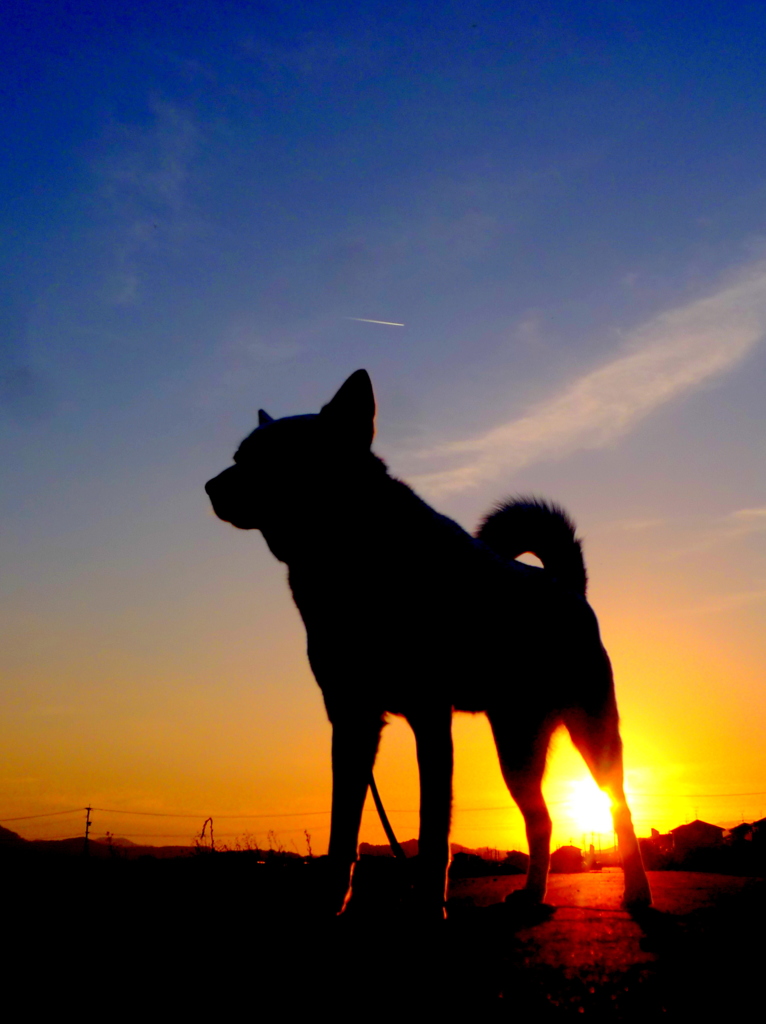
(74, 846)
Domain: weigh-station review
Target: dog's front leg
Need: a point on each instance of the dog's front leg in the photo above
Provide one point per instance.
(354, 745)
(433, 736)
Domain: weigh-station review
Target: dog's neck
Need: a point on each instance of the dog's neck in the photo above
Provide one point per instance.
(343, 517)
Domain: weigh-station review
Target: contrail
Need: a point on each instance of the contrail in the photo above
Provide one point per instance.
(364, 320)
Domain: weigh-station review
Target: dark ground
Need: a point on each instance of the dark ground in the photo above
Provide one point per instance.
(222, 934)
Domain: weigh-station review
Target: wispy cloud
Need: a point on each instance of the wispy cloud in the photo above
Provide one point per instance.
(749, 519)
(639, 525)
(671, 355)
(145, 180)
(734, 525)
(274, 352)
(239, 362)
(315, 55)
(728, 602)
(24, 392)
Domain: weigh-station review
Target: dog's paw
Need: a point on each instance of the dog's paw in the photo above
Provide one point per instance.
(330, 887)
(524, 898)
(527, 907)
(425, 912)
(639, 906)
(637, 898)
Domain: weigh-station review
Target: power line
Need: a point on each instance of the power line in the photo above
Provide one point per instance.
(161, 814)
(185, 835)
(49, 814)
(297, 814)
(693, 796)
(53, 839)
(402, 810)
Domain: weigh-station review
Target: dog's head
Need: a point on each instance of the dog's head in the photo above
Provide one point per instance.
(285, 464)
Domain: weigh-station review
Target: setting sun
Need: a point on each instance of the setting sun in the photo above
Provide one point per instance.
(589, 807)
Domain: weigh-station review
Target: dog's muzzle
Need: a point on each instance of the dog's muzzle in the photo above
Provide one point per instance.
(226, 507)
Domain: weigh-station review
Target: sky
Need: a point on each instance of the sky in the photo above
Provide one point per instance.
(205, 208)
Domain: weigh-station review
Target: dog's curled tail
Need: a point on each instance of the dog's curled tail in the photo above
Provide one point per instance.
(542, 528)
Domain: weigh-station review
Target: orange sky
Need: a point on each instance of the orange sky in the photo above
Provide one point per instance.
(233, 723)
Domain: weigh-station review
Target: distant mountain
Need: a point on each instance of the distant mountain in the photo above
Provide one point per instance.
(410, 847)
(99, 848)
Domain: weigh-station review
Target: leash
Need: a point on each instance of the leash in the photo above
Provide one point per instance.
(396, 847)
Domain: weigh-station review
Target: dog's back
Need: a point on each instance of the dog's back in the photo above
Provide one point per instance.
(419, 603)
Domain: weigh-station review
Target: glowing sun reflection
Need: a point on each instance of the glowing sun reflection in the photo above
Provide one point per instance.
(589, 807)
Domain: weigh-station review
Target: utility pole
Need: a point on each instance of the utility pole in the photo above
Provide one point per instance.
(88, 823)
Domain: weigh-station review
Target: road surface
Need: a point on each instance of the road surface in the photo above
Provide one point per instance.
(700, 949)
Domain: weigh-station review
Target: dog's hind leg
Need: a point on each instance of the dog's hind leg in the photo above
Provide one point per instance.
(597, 737)
(522, 745)
(433, 738)
(355, 741)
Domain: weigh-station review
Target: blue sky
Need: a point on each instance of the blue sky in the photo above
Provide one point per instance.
(563, 203)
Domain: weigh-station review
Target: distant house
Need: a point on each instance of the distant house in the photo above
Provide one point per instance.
(515, 863)
(748, 832)
(656, 850)
(700, 846)
(470, 865)
(741, 833)
(696, 835)
(663, 843)
(567, 860)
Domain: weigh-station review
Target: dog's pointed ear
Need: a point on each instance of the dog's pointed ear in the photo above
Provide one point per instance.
(263, 418)
(352, 410)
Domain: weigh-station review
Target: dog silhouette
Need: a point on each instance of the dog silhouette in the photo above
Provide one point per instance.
(407, 614)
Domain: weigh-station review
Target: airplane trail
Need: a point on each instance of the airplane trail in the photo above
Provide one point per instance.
(364, 320)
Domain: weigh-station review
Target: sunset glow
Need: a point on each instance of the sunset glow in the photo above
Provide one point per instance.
(199, 198)
(590, 808)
